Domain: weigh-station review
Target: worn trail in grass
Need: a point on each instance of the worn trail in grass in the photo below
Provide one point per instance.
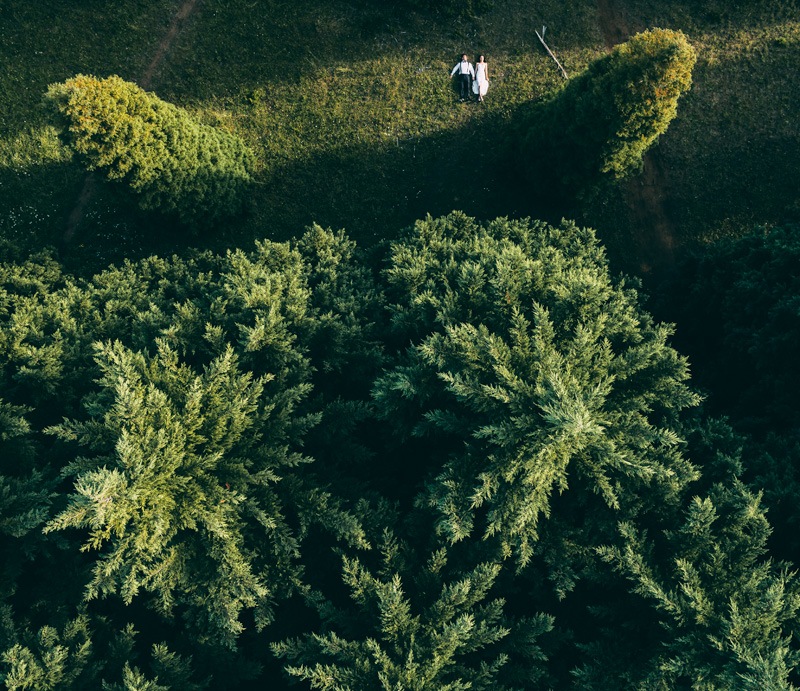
(645, 193)
(90, 182)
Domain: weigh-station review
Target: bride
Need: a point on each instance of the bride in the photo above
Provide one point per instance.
(481, 85)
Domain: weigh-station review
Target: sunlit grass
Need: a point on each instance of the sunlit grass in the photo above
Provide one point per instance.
(33, 147)
(351, 112)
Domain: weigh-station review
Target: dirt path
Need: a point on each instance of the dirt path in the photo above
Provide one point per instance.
(90, 182)
(184, 12)
(646, 191)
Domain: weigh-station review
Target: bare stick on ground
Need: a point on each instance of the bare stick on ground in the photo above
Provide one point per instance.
(550, 52)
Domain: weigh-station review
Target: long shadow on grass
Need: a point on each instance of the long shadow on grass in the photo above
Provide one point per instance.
(374, 191)
(371, 191)
(735, 150)
(33, 204)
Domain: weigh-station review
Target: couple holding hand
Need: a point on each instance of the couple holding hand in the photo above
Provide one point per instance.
(475, 77)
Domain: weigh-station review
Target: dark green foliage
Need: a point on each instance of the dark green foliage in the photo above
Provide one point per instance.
(78, 657)
(738, 303)
(348, 306)
(413, 628)
(729, 615)
(538, 374)
(24, 493)
(726, 614)
(172, 162)
(470, 469)
(186, 384)
(605, 119)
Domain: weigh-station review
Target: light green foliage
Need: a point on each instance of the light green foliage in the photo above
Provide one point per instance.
(538, 373)
(178, 470)
(70, 660)
(170, 672)
(192, 430)
(604, 120)
(413, 628)
(31, 343)
(524, 412)
(174, 164)
(134, 680)
(56, 661)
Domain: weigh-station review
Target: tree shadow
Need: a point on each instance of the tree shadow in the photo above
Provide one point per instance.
(371, 191)
(375, 191)
(34, 202)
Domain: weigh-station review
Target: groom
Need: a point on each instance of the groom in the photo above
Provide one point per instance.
(466, 73)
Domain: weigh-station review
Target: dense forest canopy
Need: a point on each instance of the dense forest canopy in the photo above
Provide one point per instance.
(436, 450)
(196, 435)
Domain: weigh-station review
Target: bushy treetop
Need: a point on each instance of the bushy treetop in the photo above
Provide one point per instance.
(475, 464)
(605, 119)
(171, 161)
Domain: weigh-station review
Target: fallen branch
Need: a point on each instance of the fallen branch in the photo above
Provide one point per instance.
(550, 52)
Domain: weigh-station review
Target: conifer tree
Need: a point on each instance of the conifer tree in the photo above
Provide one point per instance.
(604, 120)
(725, 614)
(178, 470)
(225, 427)
(25, 492)
(531, 374)
(737, 302)
(85, 655)
(410, 627)
(525, 411)
(171, 161)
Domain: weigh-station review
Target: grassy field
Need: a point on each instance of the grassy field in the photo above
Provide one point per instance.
(732, 154)
(350, 109)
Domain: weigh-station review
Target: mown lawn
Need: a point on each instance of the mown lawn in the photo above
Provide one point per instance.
(350, 109)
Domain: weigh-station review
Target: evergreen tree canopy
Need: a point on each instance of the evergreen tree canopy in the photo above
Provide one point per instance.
(172, 162)
(186, 383)
(477, 465)
(738, 303)
(605, 119)
(411, 628)
(531, 374)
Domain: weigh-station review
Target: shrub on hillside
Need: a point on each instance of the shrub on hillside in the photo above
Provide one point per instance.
(604, 120)
(172, 162)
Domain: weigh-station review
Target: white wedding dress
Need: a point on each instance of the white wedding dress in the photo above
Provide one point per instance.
(480, 79)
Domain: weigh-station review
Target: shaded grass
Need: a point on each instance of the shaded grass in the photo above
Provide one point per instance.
(350, 109)
(731, 155)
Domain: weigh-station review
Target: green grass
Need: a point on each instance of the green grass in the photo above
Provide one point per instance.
(352, 114)
(730, 157)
